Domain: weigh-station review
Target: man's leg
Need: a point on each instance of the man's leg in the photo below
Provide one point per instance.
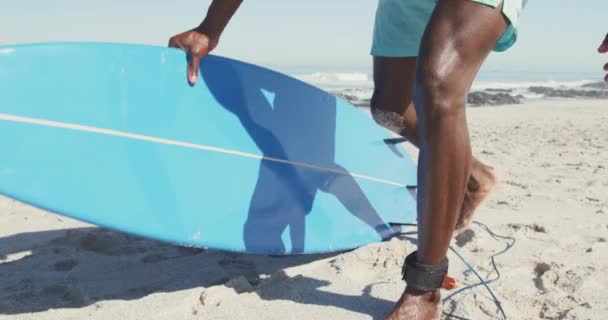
(391, 107)
(457, 40)
(392, 98)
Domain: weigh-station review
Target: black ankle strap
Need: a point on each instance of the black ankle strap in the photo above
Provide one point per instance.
(424, 277)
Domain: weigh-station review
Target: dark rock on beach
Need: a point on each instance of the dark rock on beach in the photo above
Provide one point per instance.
(499, 90)
(354, 100)
(596, 85)
(483, 98)
(348, 97)
(362, 103)
(479, 98)
(569, 93)
(499, 97)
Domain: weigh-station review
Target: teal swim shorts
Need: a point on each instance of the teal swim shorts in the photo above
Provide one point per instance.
(400, 24)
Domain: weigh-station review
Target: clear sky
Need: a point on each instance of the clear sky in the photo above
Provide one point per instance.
(560, 35)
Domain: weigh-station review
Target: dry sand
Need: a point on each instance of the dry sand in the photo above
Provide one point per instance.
(552, 198)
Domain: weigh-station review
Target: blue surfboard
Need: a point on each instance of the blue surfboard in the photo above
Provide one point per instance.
(247, 160)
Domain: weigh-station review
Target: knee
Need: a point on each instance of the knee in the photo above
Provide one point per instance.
(389, 120)
(385, 117)
(443, 92)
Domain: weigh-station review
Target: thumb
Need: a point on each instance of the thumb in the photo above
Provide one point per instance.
(193, 65)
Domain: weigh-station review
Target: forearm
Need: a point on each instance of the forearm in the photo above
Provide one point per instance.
(219, 14)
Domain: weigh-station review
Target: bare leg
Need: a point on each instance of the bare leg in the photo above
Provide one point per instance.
(457, 40)
(392, 98)
(392, 107)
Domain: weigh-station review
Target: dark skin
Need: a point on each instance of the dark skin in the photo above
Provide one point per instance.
(603, 49)
(393, 92)
(458, 38)
(198, 42)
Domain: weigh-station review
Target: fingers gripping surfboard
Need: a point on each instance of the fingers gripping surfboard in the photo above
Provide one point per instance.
(247, 160)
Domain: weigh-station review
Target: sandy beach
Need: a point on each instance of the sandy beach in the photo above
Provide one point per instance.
(552, 199)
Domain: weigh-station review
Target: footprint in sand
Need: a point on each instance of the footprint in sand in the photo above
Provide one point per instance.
(173, 253)
(556, 276)
(235, 267)
(109, 243)
(65, 265)
(70, 295)
(465, 237)
(540, 269)
(528, 227)
(61, 296)
(105, 242)
(213, 296)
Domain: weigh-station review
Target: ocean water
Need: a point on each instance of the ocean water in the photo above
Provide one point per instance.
(357, 84)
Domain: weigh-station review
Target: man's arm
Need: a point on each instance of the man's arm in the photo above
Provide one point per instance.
(198, 42)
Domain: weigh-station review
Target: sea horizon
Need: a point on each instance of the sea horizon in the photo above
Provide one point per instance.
(491, 87)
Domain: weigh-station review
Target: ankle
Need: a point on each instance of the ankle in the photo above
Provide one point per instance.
(427, 296)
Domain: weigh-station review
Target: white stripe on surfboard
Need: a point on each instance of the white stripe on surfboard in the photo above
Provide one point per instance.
(134, 136)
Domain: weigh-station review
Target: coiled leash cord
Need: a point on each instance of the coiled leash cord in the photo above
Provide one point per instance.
(509, 242)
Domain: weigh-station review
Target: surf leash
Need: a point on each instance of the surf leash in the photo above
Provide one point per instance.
(440, 279)
(509, 243)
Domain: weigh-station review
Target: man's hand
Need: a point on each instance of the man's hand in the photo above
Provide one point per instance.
(198, 42)
(603, 49)
(196, 45)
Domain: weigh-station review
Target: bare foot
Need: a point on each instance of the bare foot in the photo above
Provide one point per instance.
(417, 306)
(481, 182)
